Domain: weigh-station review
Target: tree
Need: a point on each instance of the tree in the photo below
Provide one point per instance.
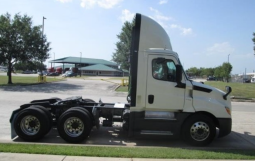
(29, 65)
(193, 71)
(223, 72)
(218, 73)
(21, 41)
(121, 54)
(226, 70)
(253, 39)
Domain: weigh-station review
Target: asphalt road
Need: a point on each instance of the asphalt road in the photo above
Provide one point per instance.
(241, 137)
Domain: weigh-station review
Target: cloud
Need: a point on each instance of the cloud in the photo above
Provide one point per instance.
(164, 22)
(88, 3)
(64, 1)
(184, 31)
(126, 15)
(107, 4)
(163, 2)
(160, 18)
(220, 48)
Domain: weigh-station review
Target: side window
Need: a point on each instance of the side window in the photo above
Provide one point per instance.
(164, 69)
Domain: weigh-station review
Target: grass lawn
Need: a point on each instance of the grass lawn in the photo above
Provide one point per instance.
(128, 152)
(246, 90)
(122, 89)
(119, 78)
(22, 80)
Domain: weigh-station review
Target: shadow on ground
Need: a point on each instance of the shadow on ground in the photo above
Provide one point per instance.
(115, 136)
(44, 88)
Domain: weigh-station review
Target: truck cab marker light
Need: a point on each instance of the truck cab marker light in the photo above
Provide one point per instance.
(228, 110)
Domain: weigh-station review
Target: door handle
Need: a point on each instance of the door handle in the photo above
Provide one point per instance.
(150, 99)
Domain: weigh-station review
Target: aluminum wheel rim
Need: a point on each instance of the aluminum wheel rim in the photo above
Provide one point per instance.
(73, 127)
(200, 131)
(30, 125)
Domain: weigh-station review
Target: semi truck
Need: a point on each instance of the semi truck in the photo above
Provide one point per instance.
(161, 101)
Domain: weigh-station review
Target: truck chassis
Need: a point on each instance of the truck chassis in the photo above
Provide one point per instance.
(74, 118)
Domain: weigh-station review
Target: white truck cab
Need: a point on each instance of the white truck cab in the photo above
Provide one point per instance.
(162, 100)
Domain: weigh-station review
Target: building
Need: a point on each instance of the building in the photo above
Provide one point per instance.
(90, 66)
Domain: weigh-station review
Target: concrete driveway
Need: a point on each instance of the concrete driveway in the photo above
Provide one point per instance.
(242, 136)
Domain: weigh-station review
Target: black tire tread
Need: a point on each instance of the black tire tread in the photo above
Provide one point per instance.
(185, 131)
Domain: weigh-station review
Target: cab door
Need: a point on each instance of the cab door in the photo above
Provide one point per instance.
(163, 94)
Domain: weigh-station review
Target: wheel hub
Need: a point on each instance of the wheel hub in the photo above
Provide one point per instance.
(73, 127)
(200, 131)
(30, 125)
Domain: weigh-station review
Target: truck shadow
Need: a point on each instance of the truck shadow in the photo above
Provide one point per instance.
(115, 136)
(44, 88)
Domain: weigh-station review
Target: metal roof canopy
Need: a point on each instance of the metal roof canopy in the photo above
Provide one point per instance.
(79, 60)
(99, 67)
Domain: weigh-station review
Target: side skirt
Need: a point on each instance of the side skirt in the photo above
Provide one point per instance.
(141, 124)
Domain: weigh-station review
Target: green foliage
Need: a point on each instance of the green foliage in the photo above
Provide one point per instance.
(253, 39)
(221, 72)
(18, 80)
(21, 41)
(242, 90)
(122, 51)
(193, 71)
(29, 65)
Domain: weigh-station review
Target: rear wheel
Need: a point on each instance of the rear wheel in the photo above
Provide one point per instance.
(198, 130)
(49, 117)
(74, 125)
(87, 112)
(30, 124)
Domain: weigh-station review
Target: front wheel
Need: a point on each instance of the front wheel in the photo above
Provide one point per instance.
(198, 130)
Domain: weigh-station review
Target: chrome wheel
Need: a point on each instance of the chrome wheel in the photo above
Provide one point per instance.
(30, 125)
(73, 127)
(200, 131)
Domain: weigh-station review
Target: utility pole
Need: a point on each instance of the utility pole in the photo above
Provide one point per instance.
(54, 61)
(43, 26)
(80, 63)
(42, 40)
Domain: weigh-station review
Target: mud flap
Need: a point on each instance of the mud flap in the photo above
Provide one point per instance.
(13, 117)
(13, 132)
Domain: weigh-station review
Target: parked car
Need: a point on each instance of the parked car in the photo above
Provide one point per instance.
(69, 74)
(246, 80)
(27, 72)
(211, 78)
(52, 74)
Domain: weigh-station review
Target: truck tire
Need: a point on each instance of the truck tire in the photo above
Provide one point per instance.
(48, 114)
(74, 125)
(30, 124)
(198, 130)
(87, 112)
(89, 100)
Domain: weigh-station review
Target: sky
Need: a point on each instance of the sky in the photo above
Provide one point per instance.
(205, 33)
